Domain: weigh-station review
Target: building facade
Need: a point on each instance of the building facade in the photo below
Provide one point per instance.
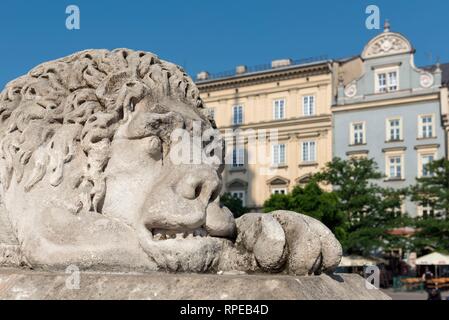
(292, 97)
(393, 112)
(377, 104)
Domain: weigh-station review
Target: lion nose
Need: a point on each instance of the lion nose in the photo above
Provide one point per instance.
(202, 184)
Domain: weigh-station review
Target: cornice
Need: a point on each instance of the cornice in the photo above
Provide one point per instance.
(325, 119)
(268, 76)
(385, 102)
(251, 93)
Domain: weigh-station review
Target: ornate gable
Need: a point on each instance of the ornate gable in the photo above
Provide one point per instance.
(386, 44)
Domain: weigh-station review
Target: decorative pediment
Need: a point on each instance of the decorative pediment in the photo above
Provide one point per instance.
(304, 179)
(278, 181)
(237, 184)
(386, 44)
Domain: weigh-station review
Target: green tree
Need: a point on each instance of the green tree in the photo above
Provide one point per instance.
(372, 211)
(313, 201)
(234, 204)
(433, 190)
(431, 235)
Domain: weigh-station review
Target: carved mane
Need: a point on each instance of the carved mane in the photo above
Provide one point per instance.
(78, 102)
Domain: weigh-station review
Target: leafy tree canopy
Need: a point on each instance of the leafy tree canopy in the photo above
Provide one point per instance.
(234, 204)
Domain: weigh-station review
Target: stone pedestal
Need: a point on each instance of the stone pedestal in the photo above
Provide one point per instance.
(24, 284)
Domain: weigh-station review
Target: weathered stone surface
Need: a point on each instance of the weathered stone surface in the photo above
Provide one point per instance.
(88, 177)
(264, 236)
(16, 284)
(7, 236)
(219, 221)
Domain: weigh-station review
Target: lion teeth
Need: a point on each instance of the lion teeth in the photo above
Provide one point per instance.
(157, 236)
(161, 234)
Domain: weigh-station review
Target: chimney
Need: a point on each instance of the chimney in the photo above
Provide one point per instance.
(240, 69)
(281, 63)
(203, 75)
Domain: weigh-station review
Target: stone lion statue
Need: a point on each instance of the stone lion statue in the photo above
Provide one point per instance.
(86, 179)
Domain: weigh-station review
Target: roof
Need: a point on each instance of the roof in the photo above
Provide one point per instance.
(406, 231)
(264, 68)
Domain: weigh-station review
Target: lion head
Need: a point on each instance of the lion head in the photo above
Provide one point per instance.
(84, 164)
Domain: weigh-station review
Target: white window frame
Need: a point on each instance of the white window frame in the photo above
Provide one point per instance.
(388, 129)
(352, 133)
(421, 209)
(238, 154)
(425, 153)
(279, 109)
(309, 105)
(239, 192)
(400, 210)
(388, 157)
(234, 113)
(421, 126)
(279, 190)
(388, 84)
(277, 161)
(311, 151)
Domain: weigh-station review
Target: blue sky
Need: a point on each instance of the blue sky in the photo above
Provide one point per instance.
(213, 35)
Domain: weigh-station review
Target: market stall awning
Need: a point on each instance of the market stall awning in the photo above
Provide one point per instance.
(405, 231)
(433, 259)
(359, 261)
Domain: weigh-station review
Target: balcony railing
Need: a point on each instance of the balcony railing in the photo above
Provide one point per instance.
(262, 67)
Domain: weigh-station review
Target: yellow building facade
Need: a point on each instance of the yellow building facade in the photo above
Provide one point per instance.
(292, 98)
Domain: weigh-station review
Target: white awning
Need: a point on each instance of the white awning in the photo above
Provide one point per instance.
(433, 259)
(358, 261)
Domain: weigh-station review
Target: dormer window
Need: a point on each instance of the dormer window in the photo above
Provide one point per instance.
(387, 81)
(392, 81)
(382, 82)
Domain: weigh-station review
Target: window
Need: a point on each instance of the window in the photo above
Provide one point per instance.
(279, 191)
(237, 114)
(239, 194)
(397, 211)
(212, 113)
(394, 129)
(238, 157)
(387, 81)
(392, 81)
(395, 170)
(426, 159)
(308, 151)
(357, 133)
(382, 82)
(308, 105)
(279, 109)
(278, 154)
(426, 125)
(426, 210)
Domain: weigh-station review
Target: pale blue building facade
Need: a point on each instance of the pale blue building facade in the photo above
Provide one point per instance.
(392, 112)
